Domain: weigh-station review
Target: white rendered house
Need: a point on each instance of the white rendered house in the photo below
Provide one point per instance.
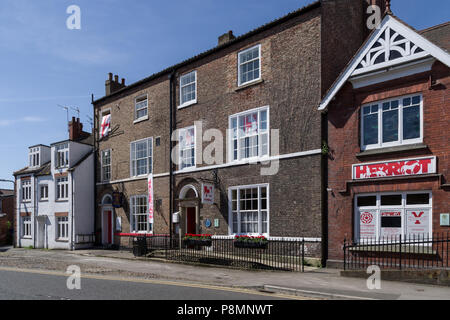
(55, 194)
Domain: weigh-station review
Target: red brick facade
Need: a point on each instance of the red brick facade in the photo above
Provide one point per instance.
(344, 143)
(7, 207)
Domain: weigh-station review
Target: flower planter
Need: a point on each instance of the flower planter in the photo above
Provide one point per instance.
(250, 244)
(200, 243)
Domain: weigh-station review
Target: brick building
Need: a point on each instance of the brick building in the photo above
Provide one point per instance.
(259, 91)
(388, 137)
(6, 216)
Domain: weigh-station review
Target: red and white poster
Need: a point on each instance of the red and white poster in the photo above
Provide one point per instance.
(417, 222)
(207, 193)
(105, 126)
(395, 168)
(150, 199)
(391, 223)
(368, 224)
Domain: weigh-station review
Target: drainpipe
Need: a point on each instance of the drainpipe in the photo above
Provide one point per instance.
(95, 167)
(72, 245)
(171, 84)
(34, 210)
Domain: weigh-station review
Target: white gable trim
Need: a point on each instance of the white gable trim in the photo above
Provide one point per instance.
(429, 49)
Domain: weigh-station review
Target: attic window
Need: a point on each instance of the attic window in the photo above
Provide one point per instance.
(34, 157)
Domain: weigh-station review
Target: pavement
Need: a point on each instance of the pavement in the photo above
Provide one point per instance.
(314, 282)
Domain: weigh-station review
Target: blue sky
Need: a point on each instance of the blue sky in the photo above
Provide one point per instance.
(43, 64)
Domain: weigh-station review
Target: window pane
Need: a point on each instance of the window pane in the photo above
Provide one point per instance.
(391, 222)
(370, 129)
(391, 200)
(417, 198)
(411, 122)
(368, 201)
(390, 126)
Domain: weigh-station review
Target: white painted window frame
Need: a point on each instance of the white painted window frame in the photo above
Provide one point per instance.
(26, 227)
(102, 114)
(184, 104)
(62, 149)
(43, 196)
(400, 140)
(403, 207)
(26, 190)
(35, 160)
(62, 226)
(149, 157)
(231, 140)
(230, 209)
(62, 185)
(182, 132)
(145, 117)
(103, 166)
(240, 64)
(133, 207)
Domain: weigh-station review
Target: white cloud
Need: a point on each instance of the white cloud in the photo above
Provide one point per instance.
(28, 119)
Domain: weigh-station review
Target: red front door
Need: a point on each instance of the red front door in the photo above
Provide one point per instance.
(190, 220)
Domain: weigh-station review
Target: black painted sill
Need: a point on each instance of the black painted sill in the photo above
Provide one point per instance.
(409, 147)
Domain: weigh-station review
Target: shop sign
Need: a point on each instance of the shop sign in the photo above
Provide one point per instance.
(417, 222)
(396, 168)
(207, 193)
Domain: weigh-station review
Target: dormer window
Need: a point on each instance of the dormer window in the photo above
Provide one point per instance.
(62, 155)
(34, 157)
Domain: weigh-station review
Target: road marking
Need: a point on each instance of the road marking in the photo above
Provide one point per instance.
(162, 282)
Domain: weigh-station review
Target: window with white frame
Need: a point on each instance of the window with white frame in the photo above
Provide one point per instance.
(387, 216)
(34, 157)
(187, 147)
(139, 214)
(26, 227)
(188, 88)
(249, 65)
(250, 134)
(141, 153)
(26, 190)
(249, 209)
(106, 165)
(43, 191)
(62, 155)
(392, 122)
(141, 108)
(62, 188)
(62, 228)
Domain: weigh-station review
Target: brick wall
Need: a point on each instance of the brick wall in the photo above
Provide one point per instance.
(344, 139)
(8, 208)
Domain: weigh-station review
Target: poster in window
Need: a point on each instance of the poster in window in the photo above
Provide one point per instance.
(367, 224)
(150, 198)
(391, 223)
(417, 222)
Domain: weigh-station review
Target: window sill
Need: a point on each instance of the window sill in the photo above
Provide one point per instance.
(43, 200)
(388, 150)
(249, 84)
(27, 238)
(62, 240)
(187, 104)
(62, 200)
(140, 119)
(26, 201)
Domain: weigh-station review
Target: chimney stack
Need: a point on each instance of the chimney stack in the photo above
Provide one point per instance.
(112, 86)
(226, 37)
(76, 130)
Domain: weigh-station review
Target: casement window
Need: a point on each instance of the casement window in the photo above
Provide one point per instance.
(249, 210)
(26, 190)
(141, 108)
(34, 157)
(62, 228)
(188, 89)
(62, 188)
(141, 153)
(392, 122)
(62, 155)
(43, 192)
(249, 65)
(106, 165)
(249, 136)
(26, 227)
(387, 216)
(187, 148)
(139, 214)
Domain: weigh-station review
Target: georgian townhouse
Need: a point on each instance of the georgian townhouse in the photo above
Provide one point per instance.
(388, 138)
(55, 194)
(6, 216)
(252, 97)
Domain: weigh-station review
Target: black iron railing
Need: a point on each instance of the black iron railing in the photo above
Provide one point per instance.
(289, 254)
(416, 251)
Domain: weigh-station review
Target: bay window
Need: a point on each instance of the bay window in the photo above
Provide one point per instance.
(249, 210)
(249, 134)
(392, 122)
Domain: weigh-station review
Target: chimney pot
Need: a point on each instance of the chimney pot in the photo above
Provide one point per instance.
(123, 81)
(116, 78)
(110, 75)
(226, 37)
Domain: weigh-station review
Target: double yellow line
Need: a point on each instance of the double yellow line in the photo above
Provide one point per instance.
(161, 282)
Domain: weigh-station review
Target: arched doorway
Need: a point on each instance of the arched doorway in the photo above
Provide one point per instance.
(107, 220)
(189, 209)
